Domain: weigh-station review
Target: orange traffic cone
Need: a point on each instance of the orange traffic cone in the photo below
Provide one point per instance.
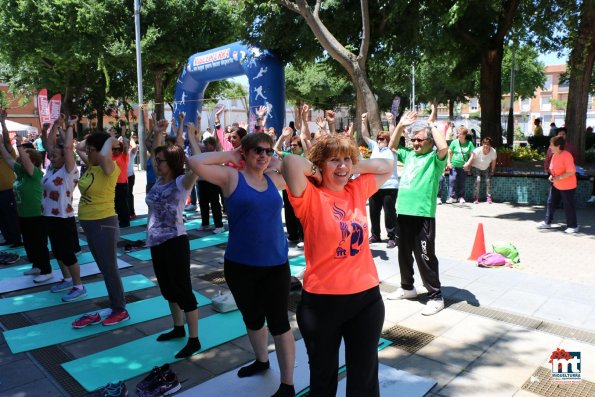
(479, 246)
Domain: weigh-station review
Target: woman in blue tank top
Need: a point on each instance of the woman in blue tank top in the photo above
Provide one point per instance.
(256, 266)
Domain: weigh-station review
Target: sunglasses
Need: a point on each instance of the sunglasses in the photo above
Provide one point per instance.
(418, 140)
(159, 161)
(260, 150)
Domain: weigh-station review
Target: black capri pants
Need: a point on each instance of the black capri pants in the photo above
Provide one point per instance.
(63, 238)
(261, 292)
(171, 261)
(326, 319)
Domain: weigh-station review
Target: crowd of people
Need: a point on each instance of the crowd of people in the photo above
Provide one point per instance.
(326, 186)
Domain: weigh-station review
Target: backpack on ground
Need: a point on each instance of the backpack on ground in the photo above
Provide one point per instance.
(491, 259)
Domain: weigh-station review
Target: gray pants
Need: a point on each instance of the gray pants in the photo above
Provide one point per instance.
(478, 174)
(102, 236)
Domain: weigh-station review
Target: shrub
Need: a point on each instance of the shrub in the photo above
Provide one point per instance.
(590, 155)
(527, 154)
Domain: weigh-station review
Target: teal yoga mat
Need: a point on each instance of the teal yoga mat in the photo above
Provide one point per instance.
(42, 335)
(138, 222)
(21, 250)
(18, 270)
(203, 242)
(297, 264)
(190, 225)
(40, 300)
(137, 357)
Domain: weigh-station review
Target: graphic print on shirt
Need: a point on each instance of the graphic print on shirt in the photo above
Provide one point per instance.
(412, 168)
(349, 225)
(84, 197)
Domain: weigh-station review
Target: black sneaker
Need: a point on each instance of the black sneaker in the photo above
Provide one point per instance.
(112, 390)
(155, 374)
(391, 243)
(374, 239)
(8, 258)
(162, 386)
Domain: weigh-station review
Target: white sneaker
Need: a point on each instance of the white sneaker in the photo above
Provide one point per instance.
(218, 230)
(204, 228)
(543, 225)
(402, 294)
(433, 307)
(300, 244)
(571, 230)
(591, 200)
(43, 277)
(450, 200)
(462, 201)
(34, 271)
(438, 201)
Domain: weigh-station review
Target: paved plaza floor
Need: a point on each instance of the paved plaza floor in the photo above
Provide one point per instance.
(494, 338)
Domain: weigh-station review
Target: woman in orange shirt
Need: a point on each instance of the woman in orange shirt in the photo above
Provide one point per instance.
(563, 178)
(341, 297)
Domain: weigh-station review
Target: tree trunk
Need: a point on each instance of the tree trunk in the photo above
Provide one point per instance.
(580, 66)
(490, 94)
(451, 109)
(365, 101)
(159, 108)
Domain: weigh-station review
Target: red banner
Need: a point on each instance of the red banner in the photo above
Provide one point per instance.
(43, 107)
(55, 104)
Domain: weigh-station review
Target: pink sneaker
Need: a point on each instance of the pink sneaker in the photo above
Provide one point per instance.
(489, 200)
(476, 201)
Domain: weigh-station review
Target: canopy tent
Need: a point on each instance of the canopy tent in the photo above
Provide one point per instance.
(21, 129)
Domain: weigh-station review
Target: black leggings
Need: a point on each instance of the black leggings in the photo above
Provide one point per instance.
(384, 199)
(35, 240)
(63, 238)
(121, 203)
(326, 319)
(208, 198)
(261, 292)
(171, 261)
(130, 196)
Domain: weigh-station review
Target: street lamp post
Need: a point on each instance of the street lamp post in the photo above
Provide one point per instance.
(510, 126)
(139, 80)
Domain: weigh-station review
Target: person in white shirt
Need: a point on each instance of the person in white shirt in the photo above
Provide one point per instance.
(483, 165)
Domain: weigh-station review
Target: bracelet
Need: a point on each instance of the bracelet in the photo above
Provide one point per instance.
(314, 168)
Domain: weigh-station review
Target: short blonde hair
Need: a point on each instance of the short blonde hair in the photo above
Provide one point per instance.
(333, 145)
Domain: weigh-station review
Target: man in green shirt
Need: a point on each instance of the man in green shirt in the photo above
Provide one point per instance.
(416, 208)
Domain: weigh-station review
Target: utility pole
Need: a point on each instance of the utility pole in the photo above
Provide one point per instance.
(139, 81)
(510, 126)
(412, 101)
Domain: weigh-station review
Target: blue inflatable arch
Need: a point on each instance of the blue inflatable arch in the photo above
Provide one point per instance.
(265, 76)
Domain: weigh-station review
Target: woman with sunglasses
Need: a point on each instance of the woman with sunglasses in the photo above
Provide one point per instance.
(341, 296)
(255, 262)
(386, 197)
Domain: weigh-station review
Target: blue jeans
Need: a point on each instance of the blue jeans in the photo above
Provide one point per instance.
(456, 182)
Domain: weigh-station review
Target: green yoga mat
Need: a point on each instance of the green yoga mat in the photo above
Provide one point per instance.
(40, 300)
(42, 335)
(21, 250)
(16, 271)
(137, 357)
(203, 242)
(297, 264)
(190, 225)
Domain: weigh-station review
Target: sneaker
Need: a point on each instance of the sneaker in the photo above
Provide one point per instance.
(34, 271)
(155, 374)
(8, 258)
(205, 228)
(190, 208)
(184, 218)
(402, 294)
(462, 201)
(374, 239)
(42, 278)
(132, 216)
(218, 230)
(543, 225)
(74, 294)
(116, 318)
(489, 200)
(112, 390)
(300, 244)
(476, 201)
(391, 243)
(62, 286)
(571, 230)
(591, 200)
(162, 386)
(450, 200)
(438, 201)
(433, 307)
(86, 319)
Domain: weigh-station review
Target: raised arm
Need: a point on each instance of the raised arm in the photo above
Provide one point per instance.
(52, 138)
(382, 169)
(180, 131)
(261, 117)
(407, 119)
(44, 136)
(286, 133)
(297, 116)
(69, 161)
(208, 166)
(365, 130)
(194, 137)
(106, 162)
(330, 119)
(7, 150)
(296, 170)
(391, 125)
(305, 135)
(439, 139)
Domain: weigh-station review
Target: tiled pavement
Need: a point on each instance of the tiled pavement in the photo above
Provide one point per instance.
(538, 306)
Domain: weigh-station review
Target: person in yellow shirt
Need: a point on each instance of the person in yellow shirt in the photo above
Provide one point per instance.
(537, 129)
(9, 226)
(97, 216)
